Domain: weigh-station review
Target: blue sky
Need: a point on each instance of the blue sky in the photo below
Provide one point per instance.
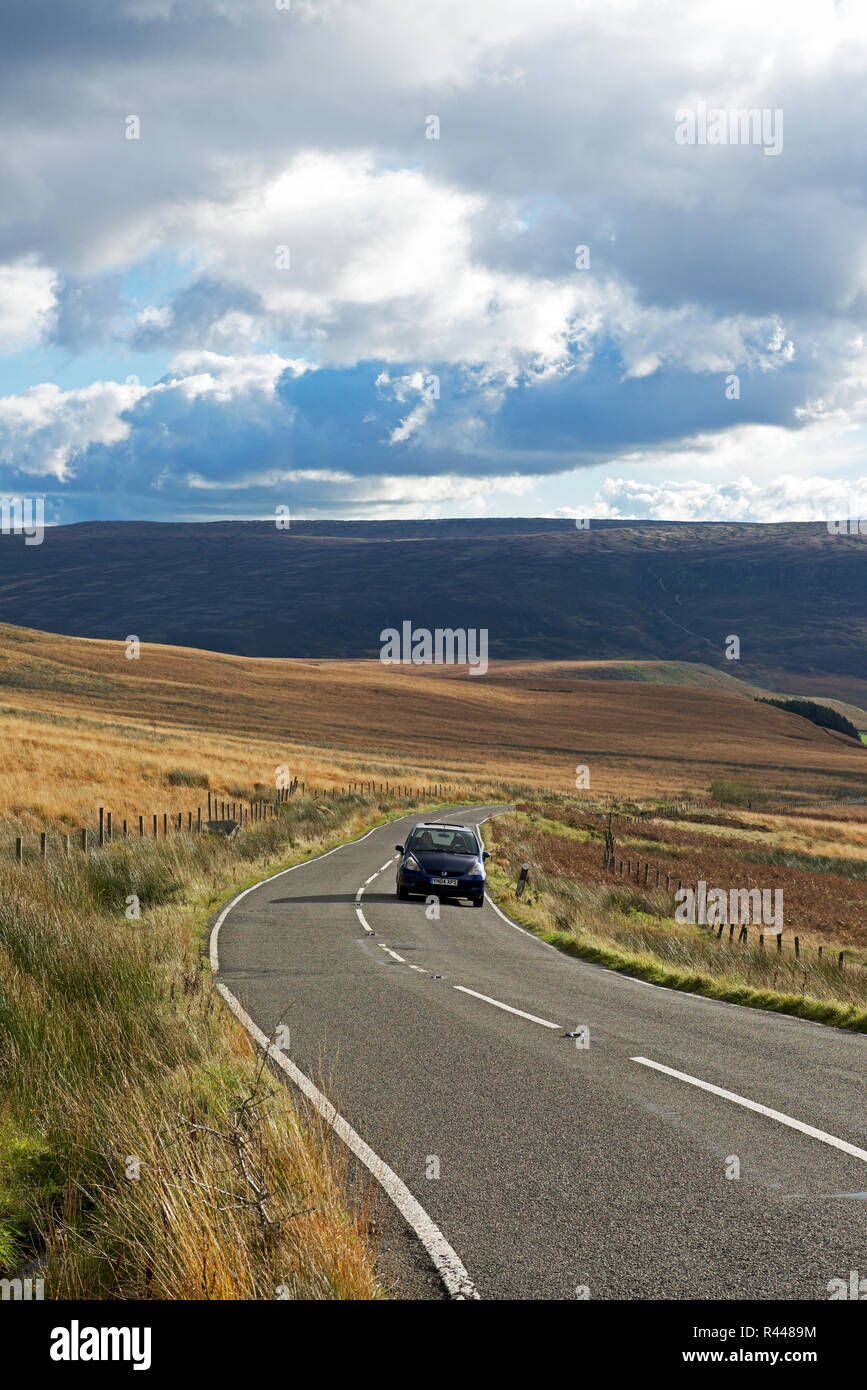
(282, 291)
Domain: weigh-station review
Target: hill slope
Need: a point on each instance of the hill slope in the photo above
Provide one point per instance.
(78, 721)
(794, 595)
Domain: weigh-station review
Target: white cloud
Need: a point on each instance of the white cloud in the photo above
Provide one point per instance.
(154, 316)
(44, 429)
(226, 378)
(557, 128)
(27, 304)
(787, 498)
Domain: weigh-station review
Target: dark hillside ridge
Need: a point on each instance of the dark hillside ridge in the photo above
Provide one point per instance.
(795, 595)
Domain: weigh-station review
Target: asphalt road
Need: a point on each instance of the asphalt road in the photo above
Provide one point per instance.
(560, 1167)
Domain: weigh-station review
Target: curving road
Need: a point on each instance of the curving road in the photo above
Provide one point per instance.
(445, 1045)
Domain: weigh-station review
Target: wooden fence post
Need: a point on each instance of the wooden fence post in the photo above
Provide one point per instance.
(19, 849)
(108, 830)
(101, 826)
(43, 845)
(84, 838)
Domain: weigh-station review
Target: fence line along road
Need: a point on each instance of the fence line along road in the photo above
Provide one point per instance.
(223, 811)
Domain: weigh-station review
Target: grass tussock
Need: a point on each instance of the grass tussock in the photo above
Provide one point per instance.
(187, 777)
(145, 1151)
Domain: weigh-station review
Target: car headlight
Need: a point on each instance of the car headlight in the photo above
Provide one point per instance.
(410, 862)
(477, 871)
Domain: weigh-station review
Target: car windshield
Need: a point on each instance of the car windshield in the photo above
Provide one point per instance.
(443, 842)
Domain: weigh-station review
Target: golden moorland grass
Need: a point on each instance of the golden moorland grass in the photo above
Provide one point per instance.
(83, 725)
(158, 1061)
(145, 1150)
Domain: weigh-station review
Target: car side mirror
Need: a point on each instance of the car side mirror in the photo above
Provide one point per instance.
(399, 849)
(486, 854)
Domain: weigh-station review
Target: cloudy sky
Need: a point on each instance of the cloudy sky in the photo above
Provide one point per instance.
(324, 254)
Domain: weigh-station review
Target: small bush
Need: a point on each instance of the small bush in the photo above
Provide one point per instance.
(187, 777)
(736, 792)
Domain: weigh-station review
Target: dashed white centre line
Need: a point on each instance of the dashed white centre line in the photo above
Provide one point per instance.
(390, 952)
(778, 1115)
(498, 1004)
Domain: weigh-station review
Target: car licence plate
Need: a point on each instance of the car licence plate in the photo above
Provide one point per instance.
(445, 882)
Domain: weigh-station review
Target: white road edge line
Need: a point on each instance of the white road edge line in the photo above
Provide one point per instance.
(814, 1133)
(499, 1005)
(457, 1281)
(451, 1271)
(523, 930)
(508, 921)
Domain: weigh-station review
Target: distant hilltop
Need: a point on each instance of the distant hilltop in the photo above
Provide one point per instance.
(794, 594)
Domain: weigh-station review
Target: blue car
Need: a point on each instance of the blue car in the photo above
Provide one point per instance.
(445, 861)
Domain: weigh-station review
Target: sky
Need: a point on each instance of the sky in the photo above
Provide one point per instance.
(368, 258)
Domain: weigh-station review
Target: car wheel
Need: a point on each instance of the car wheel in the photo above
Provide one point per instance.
(479, 902)
(402, 893)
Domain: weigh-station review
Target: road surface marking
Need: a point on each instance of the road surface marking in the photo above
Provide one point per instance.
(364, 922)
(457, 1281)
(233, 902)
(383, 947)
(451, 1271)
(499, 1005)
(523, 930)
(814, 1133)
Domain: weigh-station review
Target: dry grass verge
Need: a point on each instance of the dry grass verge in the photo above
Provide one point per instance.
(145, 1152)
(633, 930)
